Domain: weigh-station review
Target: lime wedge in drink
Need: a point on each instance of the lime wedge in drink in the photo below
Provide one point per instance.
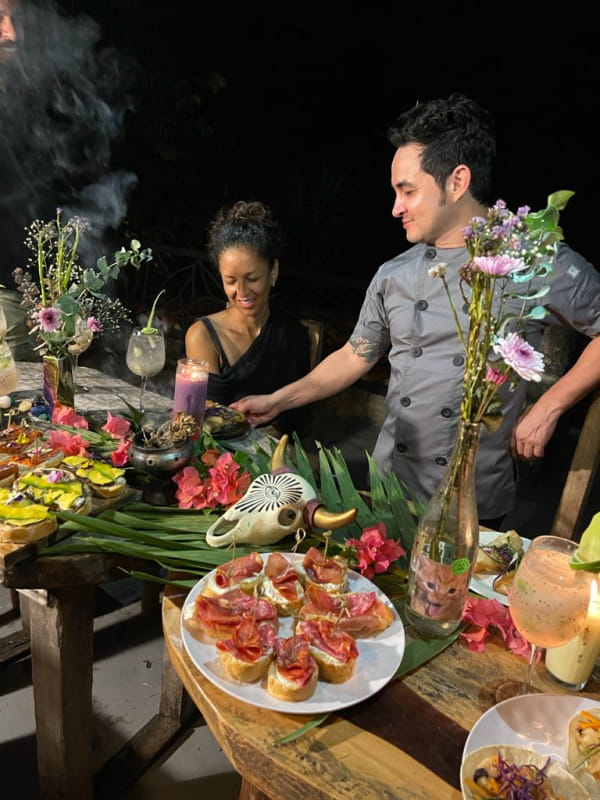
(587, 555)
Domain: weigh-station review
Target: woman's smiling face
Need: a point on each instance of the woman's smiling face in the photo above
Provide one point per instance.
(247, 279)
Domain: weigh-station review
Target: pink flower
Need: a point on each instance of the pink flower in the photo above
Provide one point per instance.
(93, 325)
(116, 426)
(375, 552)
(191, 492)
(520, 355)
(64, 415)
(486, 616)
(70, 444)
(49, 319)
(120, 456)
(226, 487)
(498, 265)
(495, 376)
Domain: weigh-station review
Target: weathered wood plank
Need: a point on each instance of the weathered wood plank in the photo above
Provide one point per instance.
(62, 659)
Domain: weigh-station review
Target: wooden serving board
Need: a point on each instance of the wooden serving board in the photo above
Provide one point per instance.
(11, 554)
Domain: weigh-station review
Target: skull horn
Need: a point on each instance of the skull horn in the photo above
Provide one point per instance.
(315, 514)
(277, 459)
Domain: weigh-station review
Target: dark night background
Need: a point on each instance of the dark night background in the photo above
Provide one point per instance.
(290, 104)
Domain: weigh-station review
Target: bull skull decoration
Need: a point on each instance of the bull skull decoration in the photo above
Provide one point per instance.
(276, 504)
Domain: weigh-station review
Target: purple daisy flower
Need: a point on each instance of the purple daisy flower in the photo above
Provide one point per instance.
(49, 319)
(498, 265)
(518, 354)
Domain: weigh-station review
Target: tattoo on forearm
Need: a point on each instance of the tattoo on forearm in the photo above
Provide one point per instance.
(364, 348)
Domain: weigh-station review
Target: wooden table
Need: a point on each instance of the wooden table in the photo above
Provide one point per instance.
(404, 742)
(58, 613)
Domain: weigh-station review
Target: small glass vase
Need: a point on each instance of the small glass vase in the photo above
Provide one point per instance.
(445, 546)
(58, 381)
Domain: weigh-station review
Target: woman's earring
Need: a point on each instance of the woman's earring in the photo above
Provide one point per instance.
(273, 284)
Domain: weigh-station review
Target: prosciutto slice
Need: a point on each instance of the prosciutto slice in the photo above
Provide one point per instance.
(250, 641)
(233, 572)
(224, 613)
(283, 576)
(320, 569)
(358, 613)
(326, 636)
(294, 661)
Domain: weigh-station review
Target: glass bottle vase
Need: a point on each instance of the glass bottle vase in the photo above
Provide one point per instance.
(445, 545)
(57, 375)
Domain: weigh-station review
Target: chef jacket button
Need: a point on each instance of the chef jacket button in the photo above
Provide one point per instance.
(430, 253)
(401, 447)
(441, 461)
(446, 412)
(405, 401)
(458, 361)
(416, 352)
(421, 305)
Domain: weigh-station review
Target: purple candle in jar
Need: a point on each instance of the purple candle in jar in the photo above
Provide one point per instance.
(191, 381)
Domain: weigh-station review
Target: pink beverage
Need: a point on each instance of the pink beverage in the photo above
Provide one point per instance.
(548, 600)
(191, 382)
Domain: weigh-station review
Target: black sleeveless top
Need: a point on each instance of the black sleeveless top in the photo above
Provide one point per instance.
(279, 355)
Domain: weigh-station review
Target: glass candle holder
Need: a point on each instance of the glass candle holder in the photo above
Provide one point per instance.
(571, 664)
(191, 382)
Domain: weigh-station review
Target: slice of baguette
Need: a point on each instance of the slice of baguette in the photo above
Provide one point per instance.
(22, 522)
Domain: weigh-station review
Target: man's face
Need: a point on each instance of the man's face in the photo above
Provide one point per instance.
(8, 35)
(419, 203)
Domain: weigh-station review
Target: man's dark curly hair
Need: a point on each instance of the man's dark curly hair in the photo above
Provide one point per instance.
(245, 224)
(452, 131)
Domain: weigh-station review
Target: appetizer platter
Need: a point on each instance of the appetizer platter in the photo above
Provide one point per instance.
(362, 630)
(543, 725)
(497, 560)
(224, 422)
(38, 481)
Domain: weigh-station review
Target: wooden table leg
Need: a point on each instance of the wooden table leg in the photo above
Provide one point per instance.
(62, 664)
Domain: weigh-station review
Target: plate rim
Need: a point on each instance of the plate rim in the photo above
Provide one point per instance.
(271, 703)
(574, 703)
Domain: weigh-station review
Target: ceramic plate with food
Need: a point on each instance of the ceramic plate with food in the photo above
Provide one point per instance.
(379, 657)
(583, 747)
(224, 422)
(507, 772)
(482, 581)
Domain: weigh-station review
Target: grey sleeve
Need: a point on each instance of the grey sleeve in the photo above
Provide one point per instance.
(372, 328)
(574, 294)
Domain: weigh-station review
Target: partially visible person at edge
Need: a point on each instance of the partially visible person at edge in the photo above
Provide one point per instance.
(17, 335)
(248, 346)
(442, 175)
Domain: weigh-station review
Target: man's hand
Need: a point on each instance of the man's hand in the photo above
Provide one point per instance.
(532, 433)
(259, 408)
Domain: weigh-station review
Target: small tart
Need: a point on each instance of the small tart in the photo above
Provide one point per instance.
(103, 479)
(59, 489)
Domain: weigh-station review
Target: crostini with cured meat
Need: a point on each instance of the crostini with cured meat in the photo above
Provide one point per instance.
(293, 674)
(334, 650)
(244, 572)
(282, 585)
(358, 613)
(330, 574)
(247, 654)
(219, 616)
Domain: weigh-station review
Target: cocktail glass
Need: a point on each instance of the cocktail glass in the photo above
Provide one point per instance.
(548, 603)
(145, 356)
(9, 379)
